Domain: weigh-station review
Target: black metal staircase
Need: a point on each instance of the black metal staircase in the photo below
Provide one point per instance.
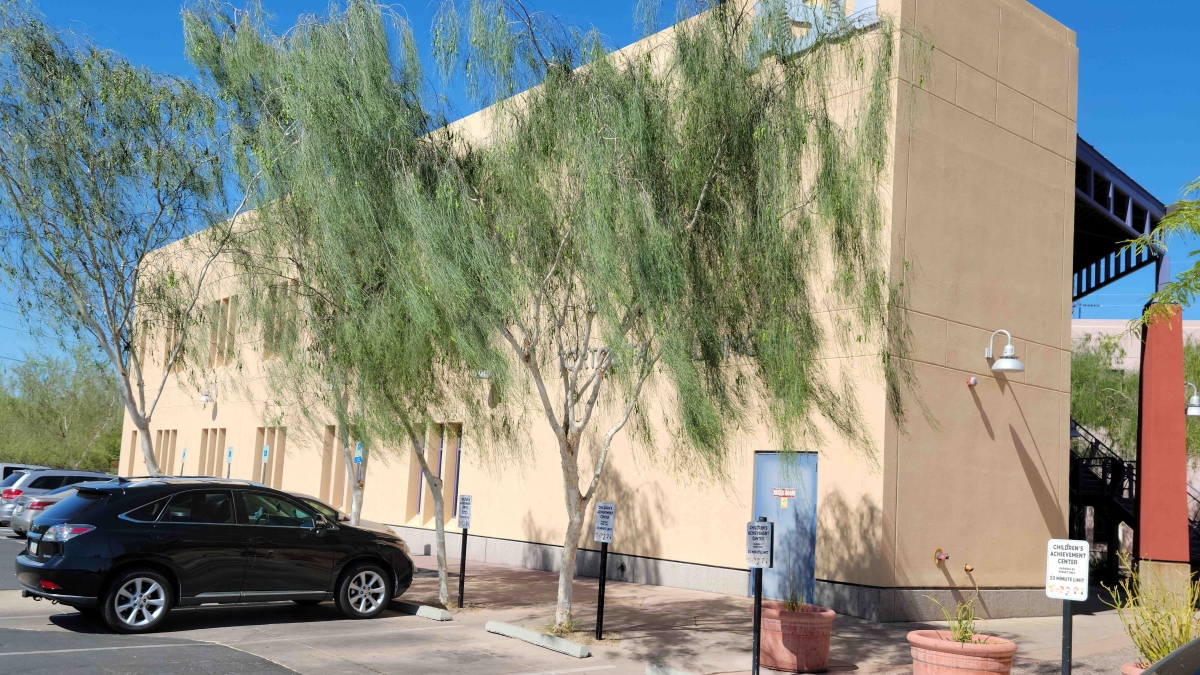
(1105, 481)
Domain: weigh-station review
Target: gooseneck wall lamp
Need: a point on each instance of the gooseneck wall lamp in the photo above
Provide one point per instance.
(1193, 404)
(206, 397)
(1008, 361)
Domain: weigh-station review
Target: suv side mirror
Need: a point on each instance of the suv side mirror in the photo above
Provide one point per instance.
(322, 523)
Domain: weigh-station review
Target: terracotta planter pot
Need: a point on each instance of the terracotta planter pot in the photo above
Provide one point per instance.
(934, 653)
(796, 642)
(1131, 668)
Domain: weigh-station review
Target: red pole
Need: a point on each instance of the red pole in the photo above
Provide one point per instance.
(1162, 531)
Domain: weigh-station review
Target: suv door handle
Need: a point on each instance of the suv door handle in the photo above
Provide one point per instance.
(168, 538)
(258, 540)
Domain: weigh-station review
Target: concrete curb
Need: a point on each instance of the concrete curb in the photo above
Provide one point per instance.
(540, 639)
(655, 669)
(423, 611)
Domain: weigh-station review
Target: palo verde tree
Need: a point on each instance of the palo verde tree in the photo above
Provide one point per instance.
(102, 163)
(672, 218)
(330, 111)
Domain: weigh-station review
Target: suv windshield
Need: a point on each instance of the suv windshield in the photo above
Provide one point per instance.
(12, 479)
(330, 513)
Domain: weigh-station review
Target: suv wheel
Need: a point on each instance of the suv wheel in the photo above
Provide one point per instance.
(364, 592)
(138, 601)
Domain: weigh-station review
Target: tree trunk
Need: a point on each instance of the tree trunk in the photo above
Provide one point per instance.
(566, 572)
(143, 428)
(356, 487)
(439, 516)
(439, 535)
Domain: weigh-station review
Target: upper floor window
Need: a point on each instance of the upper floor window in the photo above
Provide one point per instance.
(278, 318)
(222, 329)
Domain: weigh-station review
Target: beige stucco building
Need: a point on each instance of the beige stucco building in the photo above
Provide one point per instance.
(982, 199)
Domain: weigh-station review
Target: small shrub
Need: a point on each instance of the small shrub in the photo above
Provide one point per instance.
(1158, 621)
(962, 623)
(794, 600)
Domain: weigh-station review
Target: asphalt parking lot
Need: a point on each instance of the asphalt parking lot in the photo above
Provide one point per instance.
(268, 638)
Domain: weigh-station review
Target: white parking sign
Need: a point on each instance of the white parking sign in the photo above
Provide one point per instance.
(606, 513)
(1067, 569)
(464, 512)
(760, 542)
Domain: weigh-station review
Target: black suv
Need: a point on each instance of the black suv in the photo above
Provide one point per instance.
(133, 549)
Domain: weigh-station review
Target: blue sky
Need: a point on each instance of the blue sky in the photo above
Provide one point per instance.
(1138, 100)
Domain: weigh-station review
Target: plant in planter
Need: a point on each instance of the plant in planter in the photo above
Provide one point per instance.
(795, 636)
(1157, 619)
(960, 650)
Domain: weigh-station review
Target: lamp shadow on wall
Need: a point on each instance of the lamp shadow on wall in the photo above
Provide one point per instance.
(1047, 498)
(987, 423)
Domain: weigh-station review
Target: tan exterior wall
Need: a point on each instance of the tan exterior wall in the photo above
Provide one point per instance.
(983, 218)
(980, 229)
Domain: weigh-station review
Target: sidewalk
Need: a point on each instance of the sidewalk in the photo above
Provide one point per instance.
(707, 633)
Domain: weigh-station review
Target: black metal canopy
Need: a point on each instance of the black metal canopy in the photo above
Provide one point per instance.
(1110, 210)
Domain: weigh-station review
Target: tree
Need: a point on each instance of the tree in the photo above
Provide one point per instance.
(61, 411)
(1104, 399)
(679, 218)
(102, 163)
(332, 108)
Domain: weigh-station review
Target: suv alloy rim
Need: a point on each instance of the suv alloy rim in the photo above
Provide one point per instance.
(366, 592)
(140, 601)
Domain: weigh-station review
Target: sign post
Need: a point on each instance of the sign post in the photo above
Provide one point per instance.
(1067, 562)
(266, 453)
(464, 523)
(228, 461)
(606, 513)
(760, 553)
(183, 461)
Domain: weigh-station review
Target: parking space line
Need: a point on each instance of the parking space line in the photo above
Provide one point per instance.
(110, 649)
(588, 669)
(32, 616)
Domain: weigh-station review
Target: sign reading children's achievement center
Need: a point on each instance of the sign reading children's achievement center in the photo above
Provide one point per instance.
(1067, 569)
(464, 512)
(606, 513)
(760, 539)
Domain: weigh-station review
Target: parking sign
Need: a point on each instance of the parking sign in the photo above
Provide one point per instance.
(464, 512)
(1067, 569)
(760, 544)
(605, 515)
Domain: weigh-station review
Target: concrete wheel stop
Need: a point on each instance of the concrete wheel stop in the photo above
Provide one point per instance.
(540, 639)
(423, 611)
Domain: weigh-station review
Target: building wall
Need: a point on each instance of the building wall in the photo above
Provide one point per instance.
(983, 225)
(979, 230)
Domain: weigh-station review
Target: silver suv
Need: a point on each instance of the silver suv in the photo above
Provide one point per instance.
(37, 482)
(7, 469)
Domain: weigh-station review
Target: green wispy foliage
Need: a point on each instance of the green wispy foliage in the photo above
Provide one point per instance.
(1104, 396)
(333, 272)
(674, 218)
(102, 163)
